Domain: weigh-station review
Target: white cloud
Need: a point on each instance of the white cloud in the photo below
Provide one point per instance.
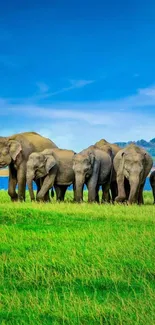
(80, 83)
(77, 125)
(46, 93)
(99, 112)
(150, 92)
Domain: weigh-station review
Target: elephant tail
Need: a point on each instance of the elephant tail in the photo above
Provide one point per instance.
(52, 192)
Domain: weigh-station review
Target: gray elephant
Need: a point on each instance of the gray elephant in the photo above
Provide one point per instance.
(14, 152)
(112, 149)
(92, 167)
(52, 167)
(132, 164)
(152, 183)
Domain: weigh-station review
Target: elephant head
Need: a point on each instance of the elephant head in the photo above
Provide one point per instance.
(9, 150)
(134, 172)
(134, 163)
(38, 166)
(83, 168)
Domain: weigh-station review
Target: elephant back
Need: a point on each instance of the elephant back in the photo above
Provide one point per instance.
(63, 157)
(105, 145)
(33, 141)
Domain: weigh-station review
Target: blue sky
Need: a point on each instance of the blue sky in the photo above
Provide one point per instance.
(78, 71)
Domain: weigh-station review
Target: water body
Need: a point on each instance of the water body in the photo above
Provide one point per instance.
(4, 184)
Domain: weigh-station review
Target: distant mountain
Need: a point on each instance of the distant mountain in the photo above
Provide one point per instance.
(147, 145)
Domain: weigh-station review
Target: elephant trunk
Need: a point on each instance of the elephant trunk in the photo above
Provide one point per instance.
(134, 189)
(30, 187)
(79, 183)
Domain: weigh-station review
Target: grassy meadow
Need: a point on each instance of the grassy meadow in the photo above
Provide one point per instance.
(66, 263)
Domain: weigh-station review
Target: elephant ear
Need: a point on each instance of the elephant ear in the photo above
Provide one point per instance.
(50, 163)
(15, 148)
(92, 158)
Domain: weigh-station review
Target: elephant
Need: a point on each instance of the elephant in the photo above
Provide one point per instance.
(112, 149)
(14, 152)
(132, 164)
(92, 167)
(52, 167)
(152, 183)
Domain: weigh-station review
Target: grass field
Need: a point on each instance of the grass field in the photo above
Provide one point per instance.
(65, 263)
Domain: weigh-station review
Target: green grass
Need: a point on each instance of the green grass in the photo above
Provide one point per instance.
(66, 263)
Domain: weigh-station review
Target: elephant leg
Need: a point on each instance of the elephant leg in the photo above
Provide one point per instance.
(21, 179)
(153, 192)
(97, 198)
(114, 190)
(105, 194)
(63, 192)
(154, 195)
(12, 184)
(127, 187)
(106, 197)
(38, 183)
(140, 194)
(74, 192)
(47, 184)
(47, 197)
(121, 191)
(60, 192)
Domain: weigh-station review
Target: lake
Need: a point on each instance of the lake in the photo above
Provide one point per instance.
(4, 184)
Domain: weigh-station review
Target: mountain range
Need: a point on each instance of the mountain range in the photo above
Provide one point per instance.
(147, 145)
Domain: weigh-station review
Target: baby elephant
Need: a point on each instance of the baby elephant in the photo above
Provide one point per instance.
(52, 167)
(152, 183)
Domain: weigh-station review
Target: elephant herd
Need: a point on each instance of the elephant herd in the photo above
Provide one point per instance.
(31, 157)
